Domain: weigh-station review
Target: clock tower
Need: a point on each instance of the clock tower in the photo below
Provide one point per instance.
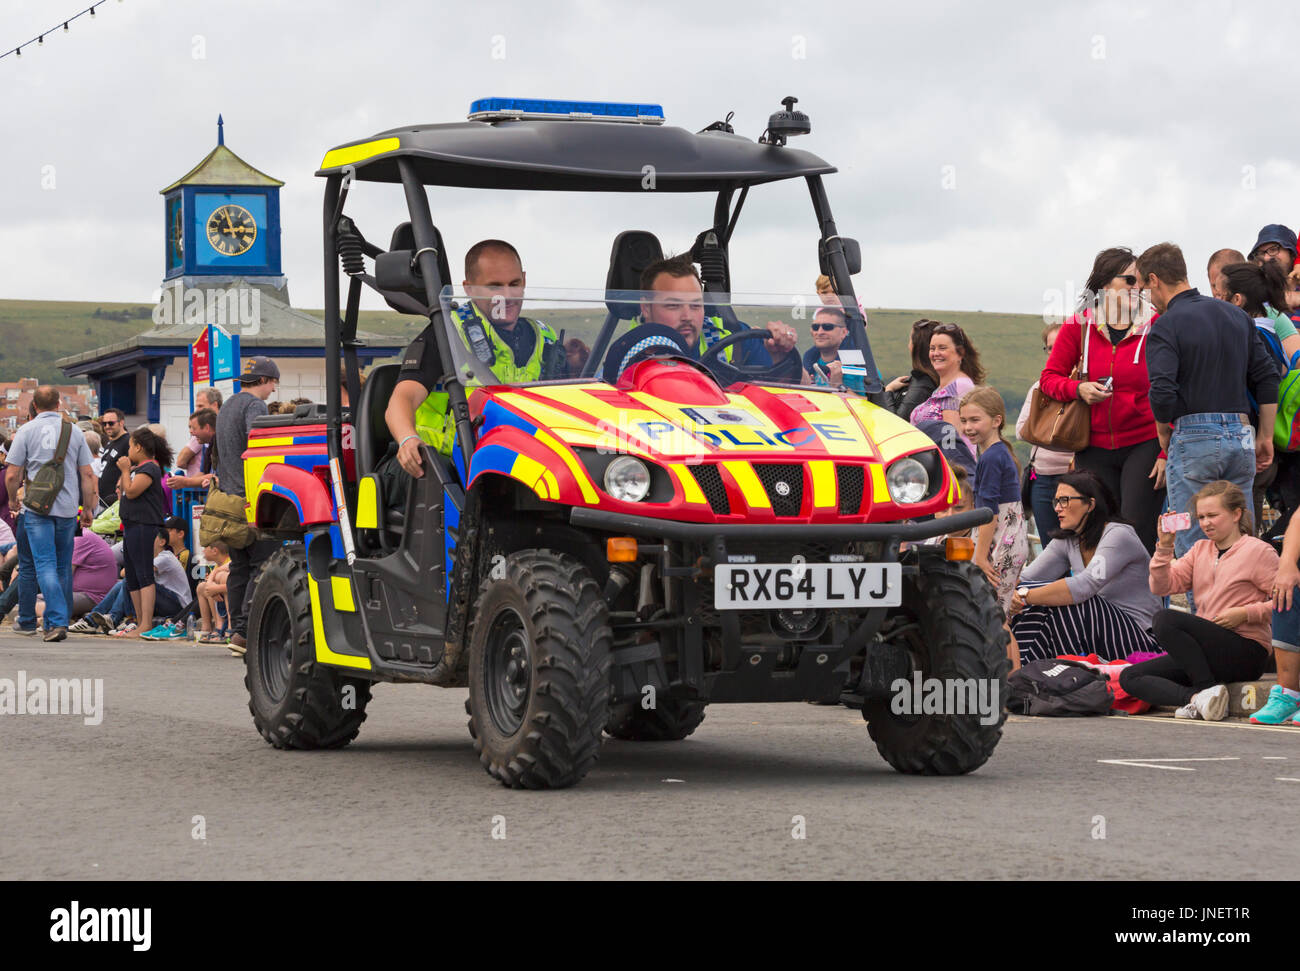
(222, 228)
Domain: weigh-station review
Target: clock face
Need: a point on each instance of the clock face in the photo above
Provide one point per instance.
(231, 230)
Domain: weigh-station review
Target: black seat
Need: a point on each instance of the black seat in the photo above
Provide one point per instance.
(632, 252)
(372, 431)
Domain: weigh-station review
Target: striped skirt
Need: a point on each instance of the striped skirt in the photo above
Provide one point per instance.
(1095, 626)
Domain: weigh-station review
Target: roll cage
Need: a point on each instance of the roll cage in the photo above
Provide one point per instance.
(541, 155)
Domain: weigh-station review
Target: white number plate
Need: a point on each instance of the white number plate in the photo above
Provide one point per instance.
(793, 586)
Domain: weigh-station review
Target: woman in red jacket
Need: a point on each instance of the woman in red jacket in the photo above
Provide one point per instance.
(1124, 451)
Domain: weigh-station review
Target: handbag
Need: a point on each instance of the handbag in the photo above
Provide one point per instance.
(223, 519)
(44, 487)
(1063, 426)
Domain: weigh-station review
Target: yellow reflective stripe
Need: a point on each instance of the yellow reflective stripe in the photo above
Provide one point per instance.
(323, 652)
(575, 469)
(367, 503)
(753, 491)
(528, 471)
(690, 488)
(879, 489)
(341, 588)
(823, 483)
(337, 157)
(549, 478)
(271, 442)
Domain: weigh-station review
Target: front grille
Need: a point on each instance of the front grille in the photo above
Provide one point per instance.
(850, 479)
(775, 477)
(710, 481)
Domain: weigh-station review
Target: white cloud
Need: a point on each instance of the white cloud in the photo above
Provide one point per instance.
(1057, 152)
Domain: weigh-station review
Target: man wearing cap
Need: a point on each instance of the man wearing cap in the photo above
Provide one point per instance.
(234, 422)
(1277, 244)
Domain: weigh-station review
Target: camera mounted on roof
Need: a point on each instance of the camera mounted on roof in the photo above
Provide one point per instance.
(782, 124)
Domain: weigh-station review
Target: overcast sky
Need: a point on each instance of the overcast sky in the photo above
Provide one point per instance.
(986, 151)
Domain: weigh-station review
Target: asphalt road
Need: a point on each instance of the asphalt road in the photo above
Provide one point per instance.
(409, 800)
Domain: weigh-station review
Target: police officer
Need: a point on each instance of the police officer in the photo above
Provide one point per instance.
(674, 296)
(518, 348)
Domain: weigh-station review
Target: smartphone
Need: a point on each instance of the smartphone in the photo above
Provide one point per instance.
(1106, 385)
(1173, 522)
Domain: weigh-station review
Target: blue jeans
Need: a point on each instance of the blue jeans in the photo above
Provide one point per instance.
(45, 561)
(1286, 625)
(1041, 492)
(1204, 449)
(115, 603)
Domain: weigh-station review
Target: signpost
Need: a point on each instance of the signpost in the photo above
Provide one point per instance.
(214, 357)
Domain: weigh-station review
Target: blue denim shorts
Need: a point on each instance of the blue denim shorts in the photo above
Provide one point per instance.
(1286, 626)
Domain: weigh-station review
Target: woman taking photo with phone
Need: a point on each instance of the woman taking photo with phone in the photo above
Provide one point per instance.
(1231, 575)
(1112, 323)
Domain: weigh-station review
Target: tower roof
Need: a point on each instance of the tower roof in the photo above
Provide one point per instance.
(223, 167)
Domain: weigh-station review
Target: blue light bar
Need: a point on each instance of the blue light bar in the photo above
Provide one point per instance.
(512, 109)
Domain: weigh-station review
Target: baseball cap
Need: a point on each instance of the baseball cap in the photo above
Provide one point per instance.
(1274, 233)
(174, 522)
(264, 367)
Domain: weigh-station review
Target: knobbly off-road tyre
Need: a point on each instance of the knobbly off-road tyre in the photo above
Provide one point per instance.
(539, 644)
(670, 720)
(961, 636)
(295, 702)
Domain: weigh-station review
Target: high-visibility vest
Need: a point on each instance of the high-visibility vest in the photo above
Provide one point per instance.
(433, 421)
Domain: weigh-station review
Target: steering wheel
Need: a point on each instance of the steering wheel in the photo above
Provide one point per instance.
(712, 359)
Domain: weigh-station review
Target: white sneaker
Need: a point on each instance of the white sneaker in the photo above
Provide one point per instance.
(1187, 711)
(1212, 703)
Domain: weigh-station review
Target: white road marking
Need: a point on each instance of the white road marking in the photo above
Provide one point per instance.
(1275, 758)
(1205, 724)
(1283, 778)
(1150, 763)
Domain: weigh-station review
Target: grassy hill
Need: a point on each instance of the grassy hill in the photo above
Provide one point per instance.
(36, 333)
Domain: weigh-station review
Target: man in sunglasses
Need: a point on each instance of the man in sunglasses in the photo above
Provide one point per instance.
(822, 362)
(116, 442)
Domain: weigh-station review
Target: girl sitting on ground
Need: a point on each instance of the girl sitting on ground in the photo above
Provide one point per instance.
(1086, 593)
(1230, 574)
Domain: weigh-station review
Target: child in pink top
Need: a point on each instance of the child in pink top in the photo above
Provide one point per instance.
(1230, 574)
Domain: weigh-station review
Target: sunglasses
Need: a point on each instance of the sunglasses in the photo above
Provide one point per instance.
(109, 424)
(823, 326)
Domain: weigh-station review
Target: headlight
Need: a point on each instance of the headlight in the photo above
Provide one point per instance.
(908, 481)
(627, 479)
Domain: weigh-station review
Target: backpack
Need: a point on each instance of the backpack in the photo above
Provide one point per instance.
(1056, 687)
(44, 487)
(1286, 427)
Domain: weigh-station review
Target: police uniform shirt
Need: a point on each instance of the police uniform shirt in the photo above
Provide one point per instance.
(420, 362)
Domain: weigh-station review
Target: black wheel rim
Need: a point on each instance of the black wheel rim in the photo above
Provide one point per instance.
(275, 649)
(507, 675)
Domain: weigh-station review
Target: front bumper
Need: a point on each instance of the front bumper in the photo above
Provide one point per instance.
(889, 533)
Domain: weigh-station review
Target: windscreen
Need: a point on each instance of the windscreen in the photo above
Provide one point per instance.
(516, 337)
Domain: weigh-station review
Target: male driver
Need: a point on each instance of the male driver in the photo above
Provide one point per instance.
(674, 297)
(116, 443)
(1203, 355)
(45, 540)
(519, 349)
(235, 420)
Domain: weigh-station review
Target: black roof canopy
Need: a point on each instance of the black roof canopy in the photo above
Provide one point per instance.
(572, 155)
